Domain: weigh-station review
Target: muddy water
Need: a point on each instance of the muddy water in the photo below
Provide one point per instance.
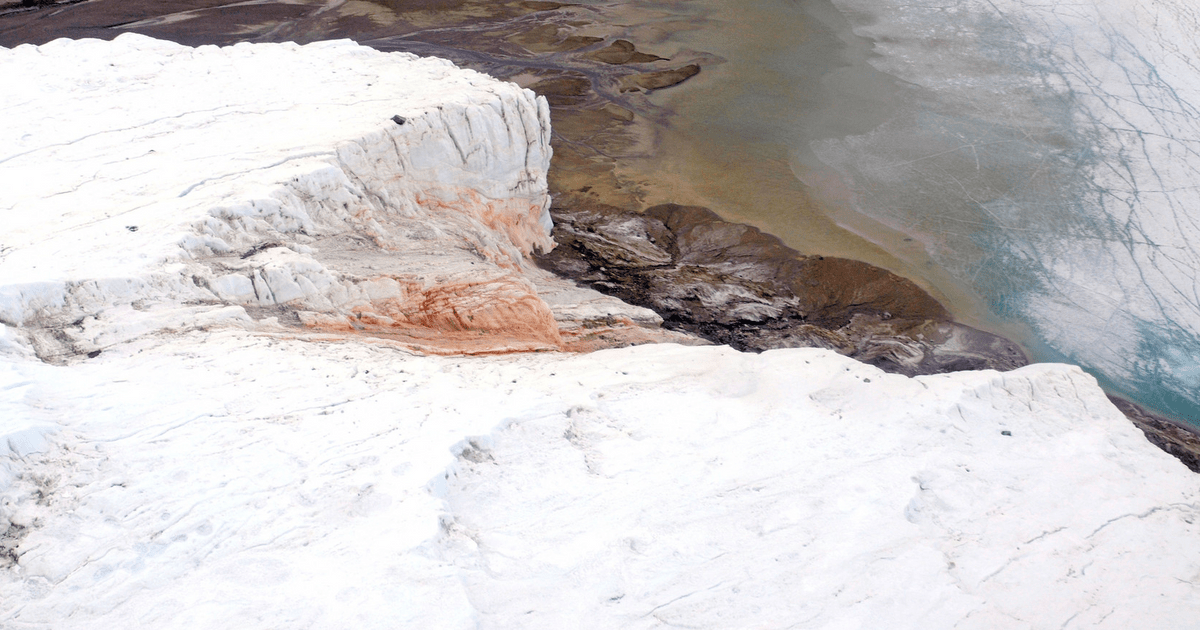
(740, 136)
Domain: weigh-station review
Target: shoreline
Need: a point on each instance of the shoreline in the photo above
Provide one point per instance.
(616, 141)
(770, 184)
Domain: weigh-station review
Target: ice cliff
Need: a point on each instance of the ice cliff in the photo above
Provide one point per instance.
(215, 266)
(331, 186)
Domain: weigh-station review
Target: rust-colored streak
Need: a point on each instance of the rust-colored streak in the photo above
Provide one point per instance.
(502, 314)
(516, 218)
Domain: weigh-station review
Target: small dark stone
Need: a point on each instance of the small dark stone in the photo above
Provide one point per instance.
(131, 228)
(1009, 433)
(93, 354)
(399, 120)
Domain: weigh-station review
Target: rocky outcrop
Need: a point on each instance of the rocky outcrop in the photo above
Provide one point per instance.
(621, 51)
(658, 79)
(731, 283)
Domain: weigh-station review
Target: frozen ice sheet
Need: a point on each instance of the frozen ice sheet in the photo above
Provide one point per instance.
(1049, 155)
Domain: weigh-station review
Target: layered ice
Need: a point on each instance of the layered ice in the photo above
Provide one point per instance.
(1047, 155)
(352, 188)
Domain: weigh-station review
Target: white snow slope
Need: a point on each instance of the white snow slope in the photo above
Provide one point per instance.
(224, 474)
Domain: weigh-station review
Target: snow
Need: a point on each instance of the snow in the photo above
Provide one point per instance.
(244, 175)
(208, 469)
(232, 478)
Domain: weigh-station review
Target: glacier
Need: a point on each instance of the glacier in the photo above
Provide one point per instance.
(261, 408)
(1045, 154)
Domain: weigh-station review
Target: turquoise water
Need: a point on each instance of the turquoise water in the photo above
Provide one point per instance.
(1066, 192)
(1035, 165)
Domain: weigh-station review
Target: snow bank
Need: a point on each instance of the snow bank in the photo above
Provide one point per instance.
(350, 485)
(362, 188)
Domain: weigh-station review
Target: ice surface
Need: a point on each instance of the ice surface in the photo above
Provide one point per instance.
(228, 479)
(1047, 154)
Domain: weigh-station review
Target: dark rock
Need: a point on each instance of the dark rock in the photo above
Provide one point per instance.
(1173, 437)
(543, 6)
(732, 284)
(621, 52)
(561, 91)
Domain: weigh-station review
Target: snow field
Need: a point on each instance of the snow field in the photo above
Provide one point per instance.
(220, 478)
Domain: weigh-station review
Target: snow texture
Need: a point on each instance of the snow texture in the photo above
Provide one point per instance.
(142, 174)
(223, 475)
(227, 479)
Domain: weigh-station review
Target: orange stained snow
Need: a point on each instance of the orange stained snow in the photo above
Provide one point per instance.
(500, 314)
(517, 218)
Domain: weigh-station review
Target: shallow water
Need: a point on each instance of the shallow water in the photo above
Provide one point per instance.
(1034, 166)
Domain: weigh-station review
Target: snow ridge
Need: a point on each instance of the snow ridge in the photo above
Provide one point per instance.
(263, 189)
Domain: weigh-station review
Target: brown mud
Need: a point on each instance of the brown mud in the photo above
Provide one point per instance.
(732, 284)
(598, 66)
